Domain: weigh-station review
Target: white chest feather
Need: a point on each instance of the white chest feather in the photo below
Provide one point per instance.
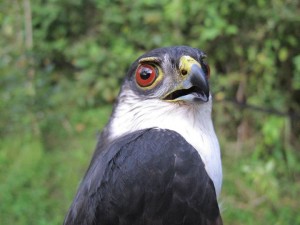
(192, 122)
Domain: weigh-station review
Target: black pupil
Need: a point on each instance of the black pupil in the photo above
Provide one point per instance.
(145, 73)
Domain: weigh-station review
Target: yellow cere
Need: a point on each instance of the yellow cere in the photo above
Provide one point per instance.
(185, 64)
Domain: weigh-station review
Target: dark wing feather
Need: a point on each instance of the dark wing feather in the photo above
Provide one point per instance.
(149, 177)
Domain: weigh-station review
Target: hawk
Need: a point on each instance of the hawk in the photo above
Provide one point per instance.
(157, 161)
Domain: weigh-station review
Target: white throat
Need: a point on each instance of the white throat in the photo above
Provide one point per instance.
(193, 122)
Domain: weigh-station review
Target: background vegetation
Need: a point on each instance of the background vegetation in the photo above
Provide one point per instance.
(62, 61)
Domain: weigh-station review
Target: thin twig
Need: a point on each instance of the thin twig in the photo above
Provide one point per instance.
(242, 105)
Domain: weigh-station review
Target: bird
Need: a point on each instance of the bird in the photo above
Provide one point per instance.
(158, 159)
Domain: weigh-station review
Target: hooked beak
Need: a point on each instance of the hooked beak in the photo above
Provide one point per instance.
(194, 85)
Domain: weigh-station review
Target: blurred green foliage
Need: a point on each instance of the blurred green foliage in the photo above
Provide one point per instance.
(61, 64)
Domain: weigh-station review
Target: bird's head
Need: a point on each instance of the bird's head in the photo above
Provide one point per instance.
(174, 75)
(163, 86)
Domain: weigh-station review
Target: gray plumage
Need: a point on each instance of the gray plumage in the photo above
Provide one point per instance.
(136, 182)
(157, 161)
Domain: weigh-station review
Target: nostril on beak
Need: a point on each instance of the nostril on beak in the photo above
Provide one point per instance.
(183, 72)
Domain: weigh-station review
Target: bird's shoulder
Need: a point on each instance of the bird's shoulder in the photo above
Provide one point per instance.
(152, 176)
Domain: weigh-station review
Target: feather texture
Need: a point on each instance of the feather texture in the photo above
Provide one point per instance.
(148, 177)
(192, 121)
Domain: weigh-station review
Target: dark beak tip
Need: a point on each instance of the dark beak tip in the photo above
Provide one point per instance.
(198, 78)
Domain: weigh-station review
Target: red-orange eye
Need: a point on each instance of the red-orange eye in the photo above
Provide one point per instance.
(206, 70)
(145, 75)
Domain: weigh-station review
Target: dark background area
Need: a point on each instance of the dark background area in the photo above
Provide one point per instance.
(61, 65)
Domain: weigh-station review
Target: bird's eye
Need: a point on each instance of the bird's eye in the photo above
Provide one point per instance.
(206, 69)
(145, 75)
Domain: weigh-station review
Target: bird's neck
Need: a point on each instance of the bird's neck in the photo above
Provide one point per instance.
(193, 122)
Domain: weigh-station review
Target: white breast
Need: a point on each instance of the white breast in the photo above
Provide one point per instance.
(193, 122)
